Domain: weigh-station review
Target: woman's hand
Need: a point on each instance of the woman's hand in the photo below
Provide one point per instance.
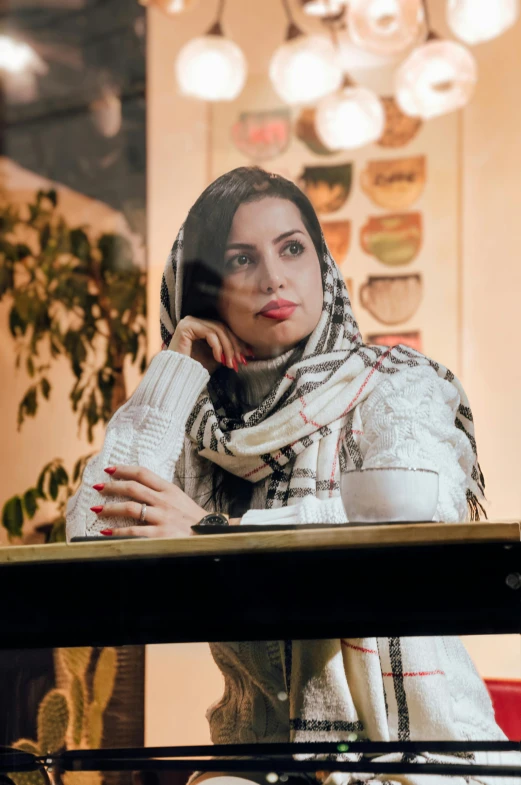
(169, 513)
(209, 342)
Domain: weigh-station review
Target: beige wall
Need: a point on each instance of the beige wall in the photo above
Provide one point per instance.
(182, 680)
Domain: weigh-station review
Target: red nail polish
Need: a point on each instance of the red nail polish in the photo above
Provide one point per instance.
(106, 532)
(244, 361)
(235, 364)
(99, 486)
(110, 470)
(223, 359)
(97, 509)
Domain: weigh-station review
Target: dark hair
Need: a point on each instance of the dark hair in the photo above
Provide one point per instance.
(206, 232)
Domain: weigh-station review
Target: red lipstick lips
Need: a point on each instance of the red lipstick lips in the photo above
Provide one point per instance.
(278, 309)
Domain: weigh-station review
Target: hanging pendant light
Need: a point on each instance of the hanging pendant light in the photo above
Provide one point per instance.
(368, 69)
(306, 67)
(323, 8)
(19, 67)
(437, 78)
(211, 67)
(475, 21)
(385, 26)
(350, 118)
(106, 113)
(170, 7)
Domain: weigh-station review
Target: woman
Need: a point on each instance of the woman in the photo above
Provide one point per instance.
(263, 394)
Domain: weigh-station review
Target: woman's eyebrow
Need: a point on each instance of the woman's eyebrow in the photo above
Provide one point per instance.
(275, 241)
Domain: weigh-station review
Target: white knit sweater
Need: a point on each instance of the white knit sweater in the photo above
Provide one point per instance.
(408, 419)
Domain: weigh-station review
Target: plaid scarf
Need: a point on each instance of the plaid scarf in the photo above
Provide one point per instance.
(301, 435)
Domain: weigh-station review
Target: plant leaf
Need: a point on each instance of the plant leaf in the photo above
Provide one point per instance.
(46, 388)
(13, 516)
(30, 501)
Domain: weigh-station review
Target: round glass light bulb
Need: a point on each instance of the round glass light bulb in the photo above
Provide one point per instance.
(305, 69)
(322, 8)
(437, 78)
(170, 7)
(19, 66)
(385, 26)
(475, 21)
(107, 114)
(351, 118)
(368, 69)
(211, 68)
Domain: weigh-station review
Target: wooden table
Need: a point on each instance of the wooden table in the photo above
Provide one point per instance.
(421, 579)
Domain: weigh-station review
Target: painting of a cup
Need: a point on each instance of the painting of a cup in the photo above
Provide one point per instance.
(327, 187)
(399, 127)
(412, 339)
(392, 299)
(262, 135)
(392, 239)
(305, 130)
(394, 184)
(337, 235)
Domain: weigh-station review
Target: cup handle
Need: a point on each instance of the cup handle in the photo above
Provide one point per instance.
(363, 298)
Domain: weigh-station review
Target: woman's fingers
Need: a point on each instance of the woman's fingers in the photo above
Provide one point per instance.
(131, 488)
(138, 474)
(227, 345)
(136, 531)
(127, 510)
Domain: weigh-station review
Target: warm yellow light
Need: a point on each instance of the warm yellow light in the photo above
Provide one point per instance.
(351, 118)
(385, 26)
(437, 78)
(171, 7)
(323, 8)
(211, 68)
(305, 69)
(480, 20)
(19, 66)
(17, 56)
(106, 113)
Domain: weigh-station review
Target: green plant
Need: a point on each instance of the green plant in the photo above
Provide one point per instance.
(73, 298)
(72, 717)
(53, 721)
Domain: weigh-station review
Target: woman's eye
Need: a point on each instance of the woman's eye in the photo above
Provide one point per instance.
(238, 261)
(294, 248)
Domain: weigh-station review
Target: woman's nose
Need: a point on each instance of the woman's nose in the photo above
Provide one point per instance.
(271, 276)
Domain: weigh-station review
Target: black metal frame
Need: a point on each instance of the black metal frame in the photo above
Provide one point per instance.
(278, 758)
(450, 589)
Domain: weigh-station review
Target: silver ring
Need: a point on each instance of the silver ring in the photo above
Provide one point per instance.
(143, 512)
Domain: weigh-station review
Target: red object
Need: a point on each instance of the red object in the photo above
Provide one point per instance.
(280, 313)
(274, 304)
(106, 532)
(110, 470)
(99, 486)
(506, 699)
(97, 508)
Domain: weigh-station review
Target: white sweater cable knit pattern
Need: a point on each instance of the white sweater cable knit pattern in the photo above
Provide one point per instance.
(409, 419)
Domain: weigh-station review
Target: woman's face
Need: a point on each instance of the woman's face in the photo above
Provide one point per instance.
(270, 257)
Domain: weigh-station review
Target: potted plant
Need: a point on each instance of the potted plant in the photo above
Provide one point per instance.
(72, 297)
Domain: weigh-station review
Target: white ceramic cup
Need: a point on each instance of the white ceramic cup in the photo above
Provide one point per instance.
(389, 495)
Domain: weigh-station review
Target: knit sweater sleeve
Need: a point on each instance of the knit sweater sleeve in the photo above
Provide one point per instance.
(408, 420)
(148, 430)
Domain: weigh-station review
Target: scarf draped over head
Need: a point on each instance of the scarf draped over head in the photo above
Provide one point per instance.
(297, 435)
